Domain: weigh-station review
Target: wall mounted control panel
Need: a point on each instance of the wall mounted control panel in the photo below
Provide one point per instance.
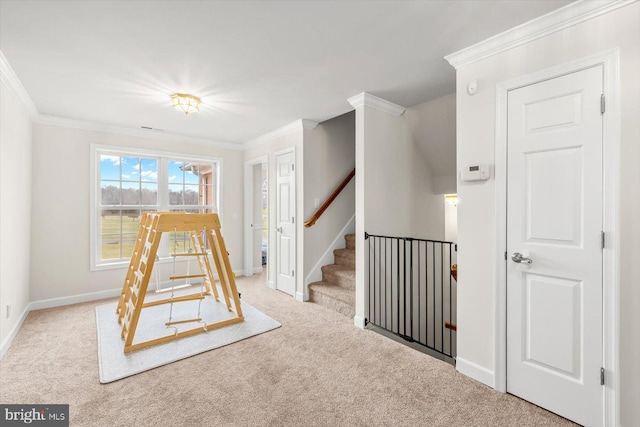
(475, 173)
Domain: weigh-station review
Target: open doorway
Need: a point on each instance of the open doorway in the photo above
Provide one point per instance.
(256, 216)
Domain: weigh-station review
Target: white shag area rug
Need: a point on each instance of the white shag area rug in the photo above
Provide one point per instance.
(114, 364)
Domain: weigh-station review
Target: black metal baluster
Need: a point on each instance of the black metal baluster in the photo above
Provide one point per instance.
(442, 298)
(419, 301)
(411, 286)
(450, 311)
(433, 253)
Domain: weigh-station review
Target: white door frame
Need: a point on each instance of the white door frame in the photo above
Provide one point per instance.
(610, 61)
(248, 214)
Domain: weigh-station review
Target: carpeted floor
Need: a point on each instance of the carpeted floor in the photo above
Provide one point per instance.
(317, 369)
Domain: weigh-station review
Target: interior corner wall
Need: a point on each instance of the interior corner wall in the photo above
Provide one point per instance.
(476, 206)
(433, 126)
(398, 194)
(329, 157)
(394, 193)
(15, 212)
(60, 265)
(293, 139)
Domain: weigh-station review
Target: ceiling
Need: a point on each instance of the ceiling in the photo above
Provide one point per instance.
(256, 65)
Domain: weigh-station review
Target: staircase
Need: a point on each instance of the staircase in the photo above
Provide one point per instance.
(337, 290)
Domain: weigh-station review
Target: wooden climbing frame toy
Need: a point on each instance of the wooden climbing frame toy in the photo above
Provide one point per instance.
(202, 228)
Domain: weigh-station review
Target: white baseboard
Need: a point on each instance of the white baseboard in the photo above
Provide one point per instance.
(300, 297)
(74, 299)
(315, 275)
(257, 270)
(358, 321)
(14, 331)
(271, 284)
(477, 372)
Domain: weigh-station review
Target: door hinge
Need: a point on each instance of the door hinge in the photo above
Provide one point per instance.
(293, 273)
(601, 376)
(603, 240)
(293, 167)
(505, 255)
(293, 220)
(602, 104)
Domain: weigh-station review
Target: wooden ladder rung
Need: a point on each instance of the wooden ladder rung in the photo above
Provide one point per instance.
(192, 297)
(191, 254)
(179, 322)
(188, 276)
(173, 288)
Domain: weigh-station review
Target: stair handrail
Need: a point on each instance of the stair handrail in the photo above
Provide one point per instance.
(330, 199)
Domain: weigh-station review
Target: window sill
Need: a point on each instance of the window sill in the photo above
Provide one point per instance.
(119, 265)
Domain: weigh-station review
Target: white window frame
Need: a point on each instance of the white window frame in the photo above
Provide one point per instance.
(97, 264)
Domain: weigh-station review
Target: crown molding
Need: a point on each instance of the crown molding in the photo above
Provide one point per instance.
(10, 79)
(565, 17)
(44, 119)
(372, 101)
(300, 124)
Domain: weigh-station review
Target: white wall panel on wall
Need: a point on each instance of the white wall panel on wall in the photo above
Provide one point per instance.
(476, 117)
(62, 208)
(329, 156)
(15, 212)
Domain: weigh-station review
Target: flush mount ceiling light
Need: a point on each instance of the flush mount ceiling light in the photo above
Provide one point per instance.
(185, 102)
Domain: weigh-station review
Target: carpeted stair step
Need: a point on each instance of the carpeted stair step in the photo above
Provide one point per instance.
(334, 297)
(346, 257)
(350, 239)
(339, 275)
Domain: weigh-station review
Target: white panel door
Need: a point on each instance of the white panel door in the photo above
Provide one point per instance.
(285, 223)
(554, 219)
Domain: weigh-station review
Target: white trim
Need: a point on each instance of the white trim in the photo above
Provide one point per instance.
(359, 322)
(74, 299)
(10, 79)
(14, 331)
(299, 124)
(140, 133)
(301, 297)
(380, 104)
(565, 17)
(610, 61)
(477, 372)
(315, 275)
(248, 214)
(271, 284)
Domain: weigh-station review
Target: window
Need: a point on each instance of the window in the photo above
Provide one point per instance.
(128, 183)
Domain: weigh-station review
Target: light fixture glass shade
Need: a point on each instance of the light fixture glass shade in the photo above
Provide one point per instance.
(185, 102)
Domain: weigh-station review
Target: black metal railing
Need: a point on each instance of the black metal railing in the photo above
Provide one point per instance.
(411, 291)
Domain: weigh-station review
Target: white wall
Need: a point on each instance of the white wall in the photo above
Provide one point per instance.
(433, 126)
(398, 191)
(476, 207)
(15, 213)
(329, 156)
(292, 139)
(257, 215)
(450, 222)
(394, 193)
(62, 208)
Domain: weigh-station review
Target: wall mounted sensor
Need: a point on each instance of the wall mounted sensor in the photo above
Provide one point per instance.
(475, 173)
(472, 87)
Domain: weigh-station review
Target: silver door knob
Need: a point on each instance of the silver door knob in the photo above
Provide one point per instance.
(520, 259)
(279, 229)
